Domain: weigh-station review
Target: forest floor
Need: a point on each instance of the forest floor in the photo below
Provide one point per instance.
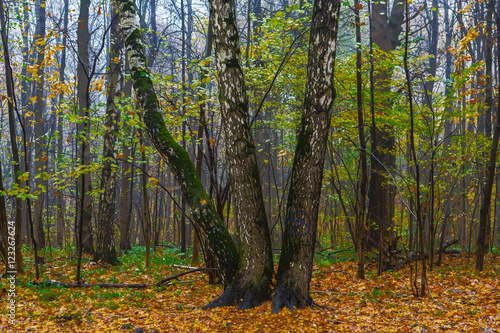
(461, 301)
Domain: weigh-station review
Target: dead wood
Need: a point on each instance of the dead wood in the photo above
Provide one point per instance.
(121, 285)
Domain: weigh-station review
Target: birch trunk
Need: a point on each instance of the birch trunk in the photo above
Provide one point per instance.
(252, 284)
(296, 260)
(105, 250)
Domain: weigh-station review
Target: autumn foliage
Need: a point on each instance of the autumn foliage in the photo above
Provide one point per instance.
(461, 300)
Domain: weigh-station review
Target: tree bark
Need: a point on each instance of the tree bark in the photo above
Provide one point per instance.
(252, 284)
(299, 239)
(105, 249)
(177, 158)
(385, 32)
(484, 211)
(127, 174)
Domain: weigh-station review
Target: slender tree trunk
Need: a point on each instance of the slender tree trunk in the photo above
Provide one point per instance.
(201, 128)
(360, 228)
(183, 92)
(146, 216)
(420, 223)
(4, 245)
(40, 157)
(11, 107)
(488, 59)
(60, 128)
(484, 211)
(105, 249)
(296, 260)
(83, 77)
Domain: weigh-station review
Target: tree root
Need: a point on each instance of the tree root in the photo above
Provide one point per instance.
(244, 296)
(285, 297)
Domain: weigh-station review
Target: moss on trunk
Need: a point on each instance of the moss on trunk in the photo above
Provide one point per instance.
(199, 204)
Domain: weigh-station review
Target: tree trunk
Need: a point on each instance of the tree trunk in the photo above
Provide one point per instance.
(40, 157)
(360, 228)
(296, 260)
(385, 32)
(83, 78)
(105, 249)
(9, 82)
(201, 128)
(484, 211)
(127, 175)
(60, 122)
(177, 158)
(251, 286)
(4, 245)
(146, 216)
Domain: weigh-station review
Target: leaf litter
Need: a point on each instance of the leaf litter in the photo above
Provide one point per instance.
(462, 301)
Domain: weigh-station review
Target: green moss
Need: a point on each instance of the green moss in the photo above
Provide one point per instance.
(128, 6)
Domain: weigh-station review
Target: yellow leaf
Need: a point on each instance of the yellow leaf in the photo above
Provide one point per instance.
(203, 202)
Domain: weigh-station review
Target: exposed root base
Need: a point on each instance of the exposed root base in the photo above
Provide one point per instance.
(244, 297)
(284, 297)
(110, 260)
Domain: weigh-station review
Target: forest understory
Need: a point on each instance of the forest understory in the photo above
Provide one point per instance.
(460, 300)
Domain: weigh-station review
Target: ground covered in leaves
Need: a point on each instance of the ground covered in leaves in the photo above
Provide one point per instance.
(461, 301)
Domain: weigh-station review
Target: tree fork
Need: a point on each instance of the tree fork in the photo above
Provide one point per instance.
(252, 284)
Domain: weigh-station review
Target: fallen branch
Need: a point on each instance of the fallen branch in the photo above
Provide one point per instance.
(88, 285)
(176, 276)
(122, 285)
(340, 251)
(184, 266)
